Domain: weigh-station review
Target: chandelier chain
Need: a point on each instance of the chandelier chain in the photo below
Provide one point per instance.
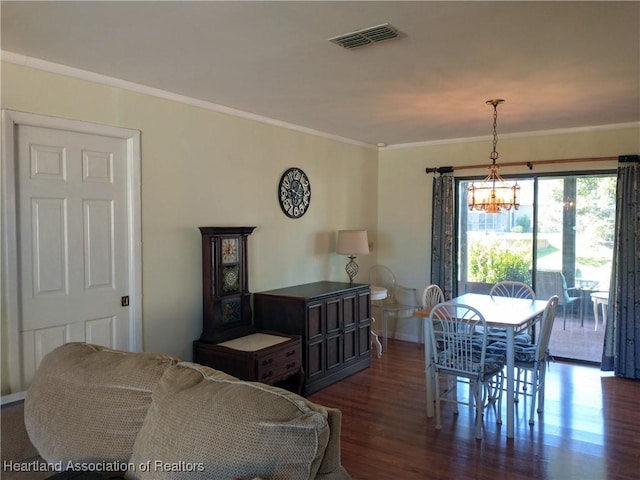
(494, 154)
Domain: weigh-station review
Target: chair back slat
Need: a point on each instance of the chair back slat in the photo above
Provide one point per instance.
(432, 295)
(461, 334)
(548, 316)
(513, 289)
(382, 276)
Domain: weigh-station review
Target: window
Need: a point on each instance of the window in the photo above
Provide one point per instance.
(495, 247)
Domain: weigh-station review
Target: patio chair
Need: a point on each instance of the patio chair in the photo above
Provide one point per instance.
(550, 283)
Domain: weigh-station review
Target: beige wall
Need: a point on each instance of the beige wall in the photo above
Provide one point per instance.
(200, 168)
(405, 190)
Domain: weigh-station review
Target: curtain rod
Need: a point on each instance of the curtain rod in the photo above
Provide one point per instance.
(529, 165)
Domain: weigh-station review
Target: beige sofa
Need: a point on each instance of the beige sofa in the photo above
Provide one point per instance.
(91, 408)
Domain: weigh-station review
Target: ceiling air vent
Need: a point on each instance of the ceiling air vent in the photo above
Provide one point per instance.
(366, 36)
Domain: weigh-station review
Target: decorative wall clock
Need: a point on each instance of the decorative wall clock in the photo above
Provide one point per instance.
(294, 192)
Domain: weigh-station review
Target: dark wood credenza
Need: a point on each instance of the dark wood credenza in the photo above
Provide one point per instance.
(333, 320)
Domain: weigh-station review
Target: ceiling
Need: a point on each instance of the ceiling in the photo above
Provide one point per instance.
(558, 64)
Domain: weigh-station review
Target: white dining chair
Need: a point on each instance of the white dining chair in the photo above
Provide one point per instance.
(531, 364)
(458, 352)
(531, 360)
(431, 296)
(512, 289)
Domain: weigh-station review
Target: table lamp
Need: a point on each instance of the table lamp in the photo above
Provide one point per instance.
(352, 243)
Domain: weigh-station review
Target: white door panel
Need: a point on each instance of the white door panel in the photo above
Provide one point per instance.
(101, 331)
(72, 237)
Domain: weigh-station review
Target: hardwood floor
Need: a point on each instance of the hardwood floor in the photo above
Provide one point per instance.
(576, 339)
(590, 429)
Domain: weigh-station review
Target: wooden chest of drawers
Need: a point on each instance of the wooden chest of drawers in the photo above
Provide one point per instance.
(332, 318)
(267, 357)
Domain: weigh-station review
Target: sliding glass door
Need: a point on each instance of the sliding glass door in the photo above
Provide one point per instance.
(560, 241)
(574, 228)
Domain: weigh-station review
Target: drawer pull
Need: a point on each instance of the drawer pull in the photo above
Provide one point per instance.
(291, 352)
(267, 362)
(267, 374)
(290, 365)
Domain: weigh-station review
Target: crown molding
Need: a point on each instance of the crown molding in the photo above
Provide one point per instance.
(536, 133)
(80, 74)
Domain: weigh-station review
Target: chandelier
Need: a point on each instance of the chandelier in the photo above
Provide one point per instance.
(494, 195)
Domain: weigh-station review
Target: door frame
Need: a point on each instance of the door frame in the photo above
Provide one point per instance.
(9, 286)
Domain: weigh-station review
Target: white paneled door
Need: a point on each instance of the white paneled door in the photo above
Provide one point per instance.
(73, 236)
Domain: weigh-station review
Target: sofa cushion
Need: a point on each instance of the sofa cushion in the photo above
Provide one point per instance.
(87, 403)
(214, 426)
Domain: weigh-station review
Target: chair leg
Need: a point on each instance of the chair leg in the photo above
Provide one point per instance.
(479, 405)
(537, 394)
(499, 414)
(493, 389)
(453, 391)
(534, 378)
(436, 391)
(541, 378)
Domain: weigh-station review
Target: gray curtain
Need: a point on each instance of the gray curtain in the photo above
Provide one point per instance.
(442, 233)
(622, 335)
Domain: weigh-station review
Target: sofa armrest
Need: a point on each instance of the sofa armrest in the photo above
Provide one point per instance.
(331, 467)
(16, 447)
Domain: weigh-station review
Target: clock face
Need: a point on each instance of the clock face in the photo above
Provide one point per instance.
(229, 250)
(294, 193)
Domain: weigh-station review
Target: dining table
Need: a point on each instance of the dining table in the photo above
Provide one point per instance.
(514, 315)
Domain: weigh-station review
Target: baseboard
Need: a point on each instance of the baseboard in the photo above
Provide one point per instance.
(12, 398)
(406, 337)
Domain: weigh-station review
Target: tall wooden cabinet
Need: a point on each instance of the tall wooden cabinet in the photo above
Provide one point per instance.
(332, 318)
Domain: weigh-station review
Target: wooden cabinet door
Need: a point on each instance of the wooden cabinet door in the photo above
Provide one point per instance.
(350, 330)
(315, 358)
(334, 331)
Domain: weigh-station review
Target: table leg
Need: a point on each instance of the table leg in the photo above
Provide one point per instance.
(384, 328)
(595, 311)
(510, 382)
(375, 338)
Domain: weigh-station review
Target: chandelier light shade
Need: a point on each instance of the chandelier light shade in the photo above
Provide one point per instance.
(494, 194)
(352, 243)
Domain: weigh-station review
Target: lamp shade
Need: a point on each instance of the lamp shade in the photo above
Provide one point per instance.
(352, 242)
